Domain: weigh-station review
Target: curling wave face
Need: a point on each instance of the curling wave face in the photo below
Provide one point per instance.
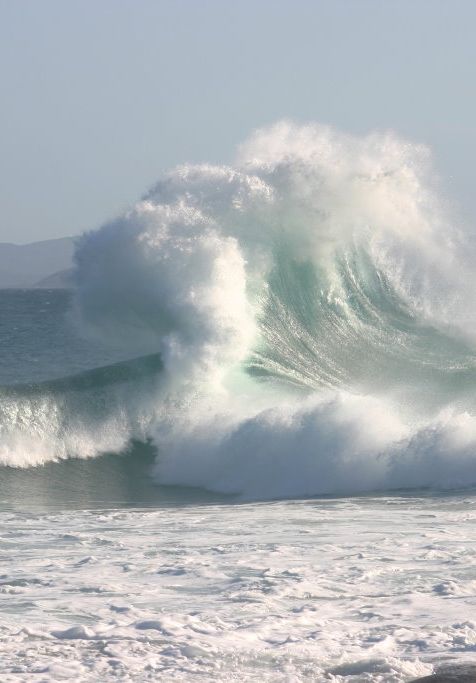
(299, 322)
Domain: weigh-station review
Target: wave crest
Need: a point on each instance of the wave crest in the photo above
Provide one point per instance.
(309, 306)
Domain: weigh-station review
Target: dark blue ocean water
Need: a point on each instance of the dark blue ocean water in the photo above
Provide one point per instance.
(39, 339)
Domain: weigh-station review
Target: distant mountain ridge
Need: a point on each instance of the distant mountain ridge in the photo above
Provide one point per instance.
(35, 264)
(63, 279)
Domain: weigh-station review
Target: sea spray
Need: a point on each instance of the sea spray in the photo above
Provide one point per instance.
(309, 308)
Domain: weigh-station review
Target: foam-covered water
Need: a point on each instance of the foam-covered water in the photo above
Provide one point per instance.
(293, 325)
(351, 591)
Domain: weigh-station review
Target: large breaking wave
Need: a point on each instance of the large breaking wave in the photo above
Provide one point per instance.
(300, 322)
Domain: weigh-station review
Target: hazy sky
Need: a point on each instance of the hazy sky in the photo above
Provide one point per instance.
(99, 97)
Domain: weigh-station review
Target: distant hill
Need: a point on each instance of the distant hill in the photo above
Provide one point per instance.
(32, 265)
(63, 279)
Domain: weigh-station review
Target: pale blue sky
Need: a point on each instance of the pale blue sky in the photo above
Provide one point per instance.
(99, 97)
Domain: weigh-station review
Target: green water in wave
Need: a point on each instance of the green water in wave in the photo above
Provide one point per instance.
(347, 327)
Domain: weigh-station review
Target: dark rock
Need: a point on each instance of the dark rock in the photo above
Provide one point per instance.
(455, 674)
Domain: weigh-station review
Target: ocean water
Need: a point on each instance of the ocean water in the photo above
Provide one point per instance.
(243, 446)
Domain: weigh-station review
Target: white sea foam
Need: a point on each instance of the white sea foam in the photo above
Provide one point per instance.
(352, 591)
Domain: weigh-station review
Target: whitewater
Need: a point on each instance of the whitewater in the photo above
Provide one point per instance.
(243, 446)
